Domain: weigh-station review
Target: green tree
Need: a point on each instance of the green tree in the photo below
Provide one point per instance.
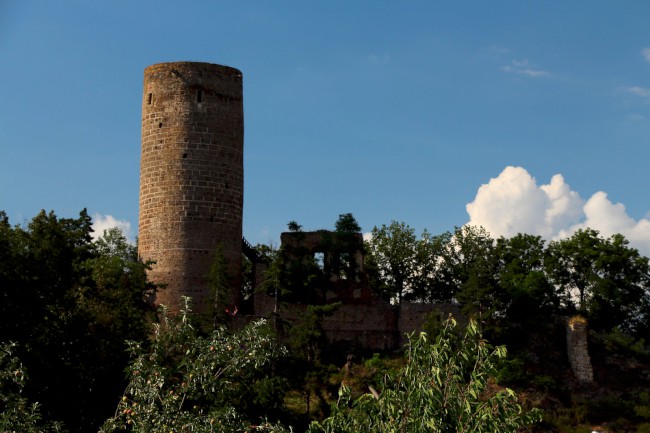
(572, 267)
(188, 382)
(344, 248)
(622, 296)
(295, 276)
(445, 386)
(116, 293)
(294, 227)
(70, 303)
(347, 223)
(16, 413)
(469, 269)
(530, 297)
(402, 266)
(427, 284)
(604, 279)
(39, 309)
(306, 341)
(42, 262)
(392, 259)
(111, 305)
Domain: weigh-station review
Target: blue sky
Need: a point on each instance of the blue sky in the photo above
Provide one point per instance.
(389, 110)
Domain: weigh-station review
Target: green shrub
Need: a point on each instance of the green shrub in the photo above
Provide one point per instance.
(446, 385)
(186, 382)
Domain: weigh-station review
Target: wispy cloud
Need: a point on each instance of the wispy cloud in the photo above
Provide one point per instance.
(643, 92)
(523, 67)
(634, 117)
(646, 54)
(495, 51)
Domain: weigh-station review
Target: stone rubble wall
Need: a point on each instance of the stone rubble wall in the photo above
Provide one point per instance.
(372, 326)
(375, 326)
(578, 352)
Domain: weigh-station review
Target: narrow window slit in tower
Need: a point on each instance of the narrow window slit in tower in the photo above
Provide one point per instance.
(150, 98)
(184, 155)
(199, 96)
(160, 125)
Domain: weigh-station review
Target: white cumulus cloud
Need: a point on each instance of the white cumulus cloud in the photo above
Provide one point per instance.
(105, 222)
(513, 203)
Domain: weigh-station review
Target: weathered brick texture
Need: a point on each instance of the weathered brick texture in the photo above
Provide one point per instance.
(191, 177)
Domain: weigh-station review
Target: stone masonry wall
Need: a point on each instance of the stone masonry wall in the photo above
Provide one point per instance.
(375, 325)
(372, 326)
(191, 177)
(576, 336)
(413, 316)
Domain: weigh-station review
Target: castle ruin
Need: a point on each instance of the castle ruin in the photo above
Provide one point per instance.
(191, 205)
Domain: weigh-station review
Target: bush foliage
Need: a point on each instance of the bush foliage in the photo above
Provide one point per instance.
(446, 385)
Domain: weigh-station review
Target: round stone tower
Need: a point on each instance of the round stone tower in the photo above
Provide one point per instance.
(192, 179)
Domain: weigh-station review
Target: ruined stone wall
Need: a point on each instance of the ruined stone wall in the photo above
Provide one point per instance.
(376, 325)
(372, 326)
(576, 336)
(191, 177)
(413, 316)
(263, 305)
(379, 325)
